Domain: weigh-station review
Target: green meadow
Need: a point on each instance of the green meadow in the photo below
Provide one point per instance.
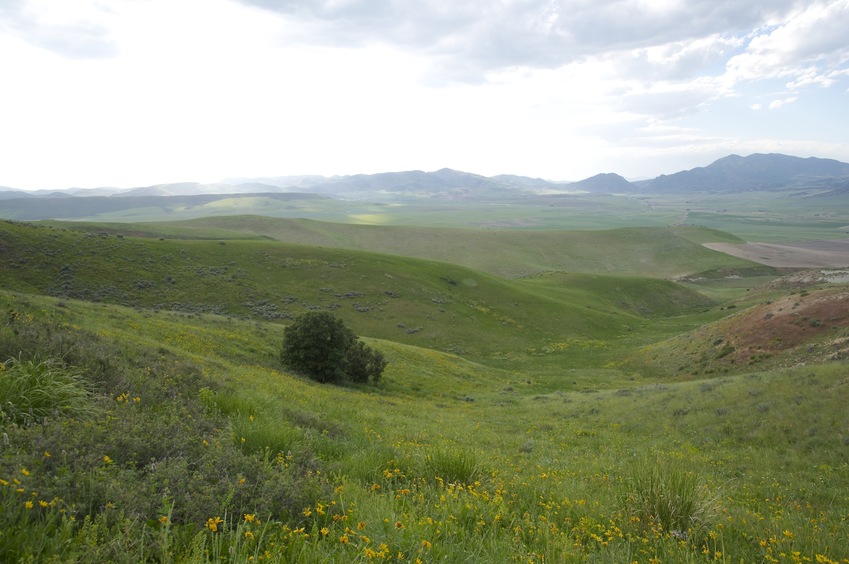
(552, 395)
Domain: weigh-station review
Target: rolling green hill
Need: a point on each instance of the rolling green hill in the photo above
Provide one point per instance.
(568, 415)
(653, 252)
(198, 448)
(432, 304)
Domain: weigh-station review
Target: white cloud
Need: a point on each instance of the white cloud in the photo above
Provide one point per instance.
(805, 48)
(775, 104)
(133, 92)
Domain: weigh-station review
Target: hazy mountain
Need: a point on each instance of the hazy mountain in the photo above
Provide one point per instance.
(732, 173)
(755, 172)
(605, 183)
(530, 184)
(7, 193)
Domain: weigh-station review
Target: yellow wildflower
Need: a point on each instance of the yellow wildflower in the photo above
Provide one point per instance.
(212, 523)
(24, 471)
(249, 517)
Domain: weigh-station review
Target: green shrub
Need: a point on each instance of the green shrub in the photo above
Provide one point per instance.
(364, 363)
(32, 390)
(321, 346)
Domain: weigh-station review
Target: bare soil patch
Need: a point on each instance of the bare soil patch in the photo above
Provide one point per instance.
(831, 253)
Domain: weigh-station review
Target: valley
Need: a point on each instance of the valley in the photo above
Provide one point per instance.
(582, 378)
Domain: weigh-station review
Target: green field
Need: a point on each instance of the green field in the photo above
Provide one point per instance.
(551, 395)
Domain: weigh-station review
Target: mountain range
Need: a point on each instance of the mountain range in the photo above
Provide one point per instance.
(770, 172)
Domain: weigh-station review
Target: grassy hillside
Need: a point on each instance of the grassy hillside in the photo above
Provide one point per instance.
(196, 447)
(654, 252)
(560, 417)
(432, 304)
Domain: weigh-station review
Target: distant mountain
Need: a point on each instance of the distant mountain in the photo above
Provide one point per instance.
(605, 183)
(7, 193)
(809, 176)
(443, 184)
(755, 172)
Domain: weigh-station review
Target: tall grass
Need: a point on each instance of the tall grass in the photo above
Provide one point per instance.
(665, 495)
(32, 390)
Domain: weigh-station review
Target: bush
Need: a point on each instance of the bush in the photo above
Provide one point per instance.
(319, 345)
(364, 363)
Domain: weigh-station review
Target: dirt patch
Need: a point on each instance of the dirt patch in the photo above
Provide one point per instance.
(832, 253)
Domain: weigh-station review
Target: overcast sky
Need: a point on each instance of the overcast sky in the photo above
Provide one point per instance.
(137, 92)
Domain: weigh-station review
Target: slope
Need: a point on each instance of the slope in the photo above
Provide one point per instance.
(432, 304)
(653, 252)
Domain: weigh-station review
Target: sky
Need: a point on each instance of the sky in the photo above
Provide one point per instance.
(129, 93)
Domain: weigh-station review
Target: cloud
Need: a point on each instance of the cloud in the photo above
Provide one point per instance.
(775, 104)
(74, 29)
(482, 36)
(806, 48)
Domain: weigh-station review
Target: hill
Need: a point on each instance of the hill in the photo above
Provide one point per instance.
(654, 252)
(796, 328)
(605, 183)
(754, 172)
(437, 305)
(196, 447)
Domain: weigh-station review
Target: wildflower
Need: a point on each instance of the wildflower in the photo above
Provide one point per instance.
(307, 512)
(339, 489)
(370, 553)
(46, 454)
(361, 525)
(375, 487)
(250, 518)
(249, 535)
(788, 534)
(212, 523)
(399, 525)
(324, 531)
(28, 504)
(43, 503)
(344, 539)
(24, 471)
(106, 459)
(3, 482)
(164, 519)
(426, 544)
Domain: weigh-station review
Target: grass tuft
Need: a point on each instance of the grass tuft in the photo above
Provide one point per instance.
(664, 495)
(33, 390)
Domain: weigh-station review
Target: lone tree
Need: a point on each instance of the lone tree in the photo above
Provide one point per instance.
(319, 345)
